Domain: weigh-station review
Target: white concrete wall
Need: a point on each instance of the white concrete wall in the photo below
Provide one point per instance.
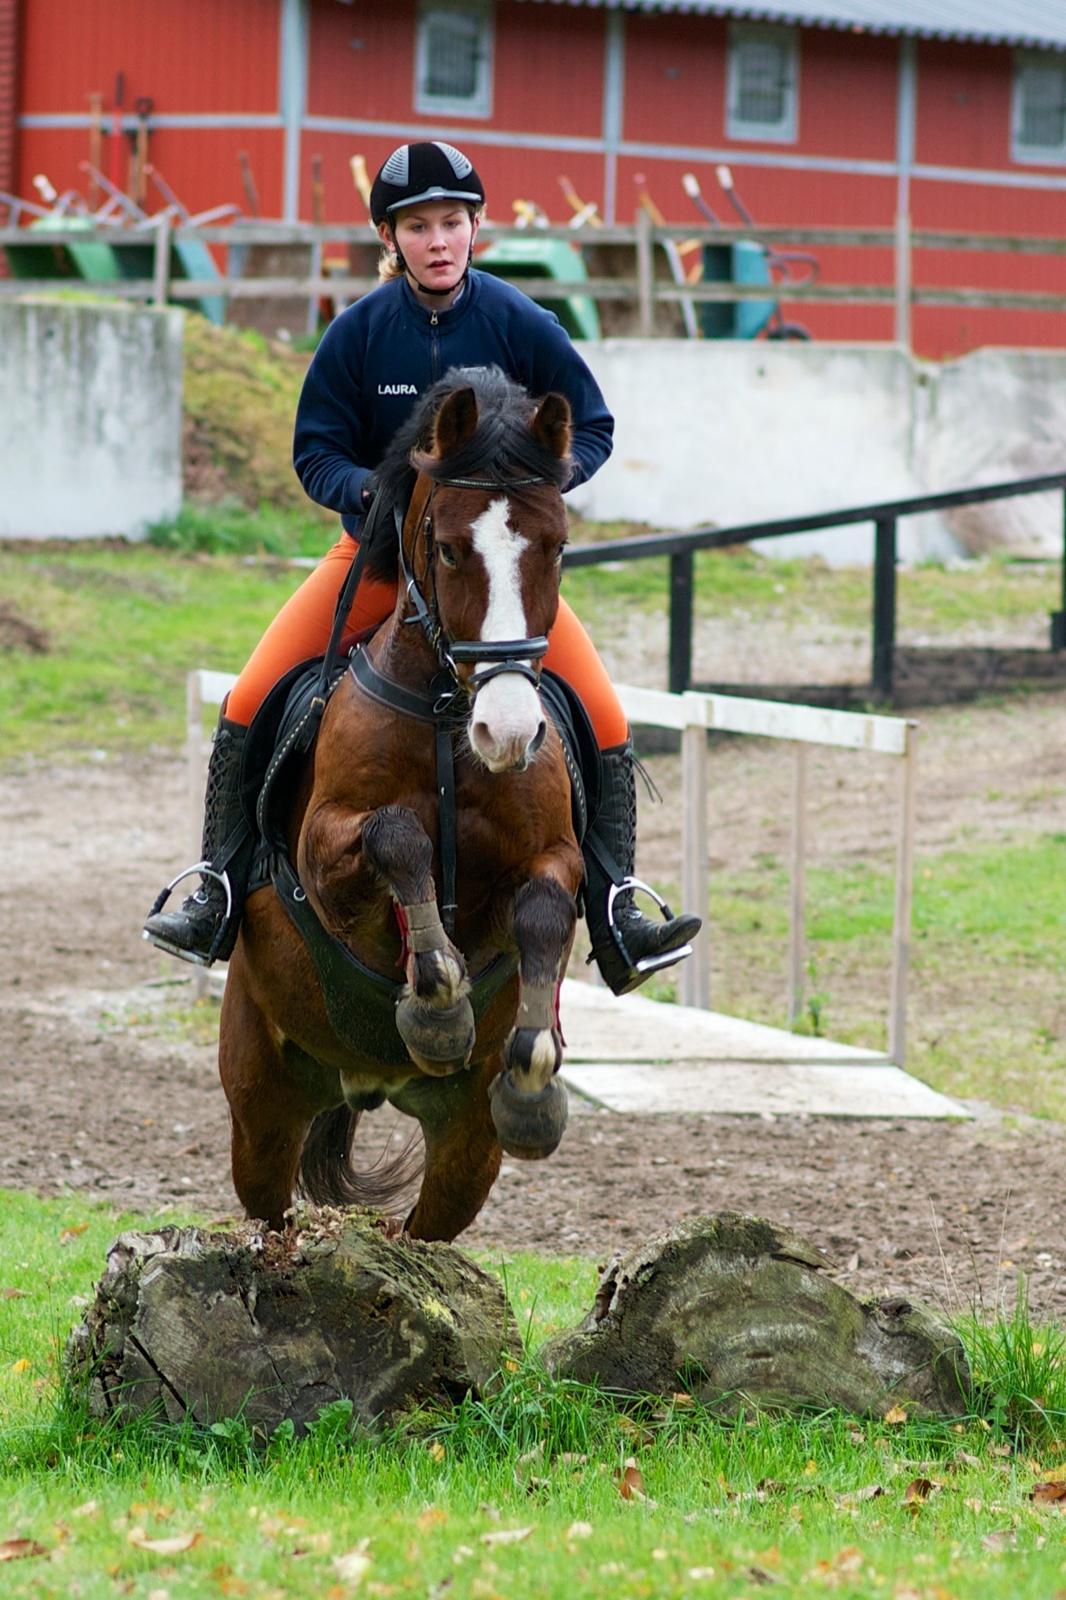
(90, 397)
(728, 432)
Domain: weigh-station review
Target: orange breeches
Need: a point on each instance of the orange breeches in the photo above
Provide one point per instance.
(301, 629)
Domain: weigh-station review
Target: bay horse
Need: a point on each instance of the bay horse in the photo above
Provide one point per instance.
(480, 467)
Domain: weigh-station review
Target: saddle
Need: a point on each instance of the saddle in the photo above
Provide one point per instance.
(360, 1002)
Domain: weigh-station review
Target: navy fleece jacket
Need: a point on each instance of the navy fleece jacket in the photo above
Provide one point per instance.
(377, 357)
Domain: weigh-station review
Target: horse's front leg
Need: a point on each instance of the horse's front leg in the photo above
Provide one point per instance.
(528, 1100)
(434, 1016)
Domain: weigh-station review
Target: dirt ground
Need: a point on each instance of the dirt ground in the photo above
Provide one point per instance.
(104, 1095)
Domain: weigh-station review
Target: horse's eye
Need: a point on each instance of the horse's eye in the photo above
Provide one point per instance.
(447, 554)
(559, 553)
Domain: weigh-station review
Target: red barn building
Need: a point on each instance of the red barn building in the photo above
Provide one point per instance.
(830, 112)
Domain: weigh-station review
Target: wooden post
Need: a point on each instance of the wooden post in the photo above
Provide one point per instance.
(161, 261)
(696, 971)
(194, 771)
(901, 926)
(645, 273)
(797, 904)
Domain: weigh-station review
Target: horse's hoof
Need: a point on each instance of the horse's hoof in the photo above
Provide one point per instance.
(440, 1040)
(528, 1126)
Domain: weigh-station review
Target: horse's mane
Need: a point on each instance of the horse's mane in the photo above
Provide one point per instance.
(502, 445)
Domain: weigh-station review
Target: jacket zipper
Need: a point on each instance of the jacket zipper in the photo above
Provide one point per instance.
(434, 347)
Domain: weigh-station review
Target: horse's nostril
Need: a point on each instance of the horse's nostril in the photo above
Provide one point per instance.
(538, 738)
(480, 735)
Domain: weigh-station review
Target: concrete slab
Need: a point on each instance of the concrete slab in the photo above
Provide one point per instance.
(769, 1089)
(600, 1026)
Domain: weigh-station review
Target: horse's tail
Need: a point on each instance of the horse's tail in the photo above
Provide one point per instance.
(327, 1178)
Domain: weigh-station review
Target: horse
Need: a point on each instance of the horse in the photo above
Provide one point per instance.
(480, 468)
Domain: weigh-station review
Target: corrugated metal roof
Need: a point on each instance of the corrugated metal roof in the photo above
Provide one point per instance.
(1038, 23)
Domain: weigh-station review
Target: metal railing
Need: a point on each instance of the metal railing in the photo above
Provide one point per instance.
(681, 550)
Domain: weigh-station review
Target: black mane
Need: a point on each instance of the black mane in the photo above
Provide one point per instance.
(501, 445)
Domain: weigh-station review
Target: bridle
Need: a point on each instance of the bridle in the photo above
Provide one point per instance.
(502, 655)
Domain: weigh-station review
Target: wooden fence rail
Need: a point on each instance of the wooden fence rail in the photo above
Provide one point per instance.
(694, 715)
(642, 287)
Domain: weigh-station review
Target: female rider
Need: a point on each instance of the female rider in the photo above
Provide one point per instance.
(432, 313)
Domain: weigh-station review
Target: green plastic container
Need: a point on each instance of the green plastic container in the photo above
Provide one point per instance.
(92, 262)
(534, 257)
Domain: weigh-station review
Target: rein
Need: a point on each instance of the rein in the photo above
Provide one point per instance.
(503, 655)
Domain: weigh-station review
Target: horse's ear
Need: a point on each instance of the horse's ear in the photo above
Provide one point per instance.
(551, 424)
(455, 422)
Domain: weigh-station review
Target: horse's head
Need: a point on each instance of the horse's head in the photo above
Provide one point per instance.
(483, 541)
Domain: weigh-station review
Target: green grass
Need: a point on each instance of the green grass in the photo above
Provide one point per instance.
(124, 625)
(767, 1502)
(988, 950)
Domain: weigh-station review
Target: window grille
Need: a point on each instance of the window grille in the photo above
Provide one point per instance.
(761, 84)
(454, 58)
(1040, 106)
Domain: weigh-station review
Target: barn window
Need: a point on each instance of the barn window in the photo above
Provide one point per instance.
(1040, 107)
(453, 57)
(761, 83)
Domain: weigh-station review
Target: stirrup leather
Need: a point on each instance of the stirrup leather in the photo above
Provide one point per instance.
(651, 963)
(206, 870)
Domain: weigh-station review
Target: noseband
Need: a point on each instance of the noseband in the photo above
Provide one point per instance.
(503, 655)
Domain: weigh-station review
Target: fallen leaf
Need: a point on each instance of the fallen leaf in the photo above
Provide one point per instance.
(18, 1549)
(763, 1575)
(175, 1545)
(13, 1294)
(431, 1517)
(999, 1540)
(1053, 1474)
(506, 1536)
(437, 1450)
(682, 1400)
(631, 1481)
(88, 1508)
(1049, 1494)
(895, 1415)
(73, 1232)
(918, 1491)
(852, 1497)
(354, 1564)
(21, 1365)
(580, 1530)
(701, 1574)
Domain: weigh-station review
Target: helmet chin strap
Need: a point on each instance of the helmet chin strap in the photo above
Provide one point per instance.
(425, 286)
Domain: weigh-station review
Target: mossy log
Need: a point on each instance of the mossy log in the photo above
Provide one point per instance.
(207, 1325)
(741, 1313)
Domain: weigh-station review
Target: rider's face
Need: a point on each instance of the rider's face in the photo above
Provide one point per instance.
(435, 239)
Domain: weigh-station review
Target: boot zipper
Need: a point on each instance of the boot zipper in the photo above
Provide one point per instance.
(434, 346)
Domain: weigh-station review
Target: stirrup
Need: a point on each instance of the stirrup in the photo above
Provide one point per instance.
(652, 963)
(206, 870)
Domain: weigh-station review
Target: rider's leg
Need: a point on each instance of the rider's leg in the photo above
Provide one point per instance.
(627, 945)
(201, 930)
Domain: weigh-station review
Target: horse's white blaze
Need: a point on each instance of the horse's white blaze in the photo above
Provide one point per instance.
(507, 711)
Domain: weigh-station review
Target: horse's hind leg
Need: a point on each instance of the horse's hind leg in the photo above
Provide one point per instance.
(434, 1016)
(528, 1101)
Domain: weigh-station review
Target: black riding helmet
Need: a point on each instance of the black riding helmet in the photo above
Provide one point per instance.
(431, 170)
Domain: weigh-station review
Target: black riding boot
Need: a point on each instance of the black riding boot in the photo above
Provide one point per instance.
(205, 928)
(627, 946)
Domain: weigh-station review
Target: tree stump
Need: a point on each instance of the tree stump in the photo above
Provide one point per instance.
(738, 1313)
(187, 1322)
